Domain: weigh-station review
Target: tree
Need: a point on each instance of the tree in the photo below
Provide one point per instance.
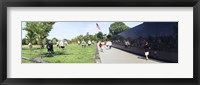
(66, 40)
(109, 36)
(44, 41)
(100, 35)
(117, 27)
(42, 30)
(87, 36)
(31, 35)
(93, 37)
(38, 30)
(76, 39)
(34, 41)
(80, 37)
(24, 41)
(54, 40)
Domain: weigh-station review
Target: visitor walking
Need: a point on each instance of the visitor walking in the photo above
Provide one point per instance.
(62, 45)
(101, 46)
(30, 45)
(146, 50)
(89, 42)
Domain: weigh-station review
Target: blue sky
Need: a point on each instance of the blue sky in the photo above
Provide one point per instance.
(69, 30)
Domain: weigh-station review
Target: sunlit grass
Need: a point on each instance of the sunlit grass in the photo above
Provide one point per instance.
(71, 54)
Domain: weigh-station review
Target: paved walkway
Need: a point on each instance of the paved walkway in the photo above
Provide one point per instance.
(118, 56)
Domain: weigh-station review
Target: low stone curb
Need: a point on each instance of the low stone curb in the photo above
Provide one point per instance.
(37, 60)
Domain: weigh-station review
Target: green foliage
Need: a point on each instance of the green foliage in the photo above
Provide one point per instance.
(42, 29)
(37, 31)
(100, 35)
(24, 41)
(34, 41)
(44, 41)
(71, 54)
(109, 36)
(117, 27)
(80, 37)
(26, 61)
(54, 40)
(66, 40)
(30, 36)
(86, 38)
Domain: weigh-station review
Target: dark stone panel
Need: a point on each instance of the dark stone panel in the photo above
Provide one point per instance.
(162, 38)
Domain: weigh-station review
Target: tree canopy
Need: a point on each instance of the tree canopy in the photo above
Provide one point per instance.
(37, 31)
(100, 35)
(117, 27)
(54, 40)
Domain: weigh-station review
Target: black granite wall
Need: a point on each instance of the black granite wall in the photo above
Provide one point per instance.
(161, 36)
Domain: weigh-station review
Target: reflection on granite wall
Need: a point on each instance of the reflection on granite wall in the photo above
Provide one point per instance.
(161, 36)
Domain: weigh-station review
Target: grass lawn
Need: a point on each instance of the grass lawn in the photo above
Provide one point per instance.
(71, 54)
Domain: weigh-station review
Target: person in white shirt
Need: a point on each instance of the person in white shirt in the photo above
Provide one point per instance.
(30, 45)
(57, 44)
(79, 42)
(89, 42)
(110, 44)
(62, 45)
(128, 43)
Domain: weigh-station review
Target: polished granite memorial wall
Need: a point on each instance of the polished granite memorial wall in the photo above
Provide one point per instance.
(162, 38)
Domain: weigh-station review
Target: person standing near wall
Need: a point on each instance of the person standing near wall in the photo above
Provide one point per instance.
(146, 50)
